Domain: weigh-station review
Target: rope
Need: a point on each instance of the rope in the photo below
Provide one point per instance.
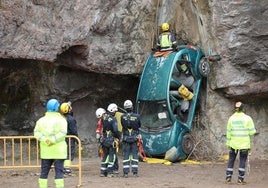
(156, 23)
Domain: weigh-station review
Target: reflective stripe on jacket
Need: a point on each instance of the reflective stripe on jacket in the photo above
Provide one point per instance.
(239, 129)
(52, 127)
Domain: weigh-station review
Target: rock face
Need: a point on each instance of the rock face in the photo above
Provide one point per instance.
(92, 53)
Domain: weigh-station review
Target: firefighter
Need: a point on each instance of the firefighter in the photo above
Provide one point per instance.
(110, 137)
(50, 130)
(99, 130)
(240, 129)
(166, 40)
(131, 124)
(66, 110)
(113, 109)
(99, 113)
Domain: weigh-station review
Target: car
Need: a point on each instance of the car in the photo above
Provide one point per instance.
(167, 98)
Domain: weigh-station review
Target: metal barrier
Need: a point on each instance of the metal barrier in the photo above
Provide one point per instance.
(23, 152)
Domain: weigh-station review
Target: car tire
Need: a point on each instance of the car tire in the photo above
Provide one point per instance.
(204, 67)
(187, 143)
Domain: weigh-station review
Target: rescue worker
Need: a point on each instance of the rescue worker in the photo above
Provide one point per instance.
(113, 109)
(110, 137)
(99, 113)
(166, 40)
(131, 124)
(66, 110)
(99, 129)
(240, 129)
(50, 130)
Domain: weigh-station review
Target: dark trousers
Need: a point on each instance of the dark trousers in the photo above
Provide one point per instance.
(131, 157)
(71, 149)
(116, 163)
(243, 155)
(46, 166)
(108, 160)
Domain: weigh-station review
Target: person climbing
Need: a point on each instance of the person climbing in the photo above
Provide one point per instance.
(50, 130)
(166, 40)
(113, 109)
(66, 110)
(109, 140)
(131, 124)
(240, 130)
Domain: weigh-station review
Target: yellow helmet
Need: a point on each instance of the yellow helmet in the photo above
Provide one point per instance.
(165, 27)
(65, 107)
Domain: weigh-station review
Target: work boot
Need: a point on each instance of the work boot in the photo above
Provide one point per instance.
(228, 180)
(135, 174)
(125, 175)
(116, 173)
(42, 183)
(110, 175)
(67, 171)
(241, 182)
(59, 183)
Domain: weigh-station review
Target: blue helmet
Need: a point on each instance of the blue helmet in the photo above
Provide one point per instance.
(52, 105)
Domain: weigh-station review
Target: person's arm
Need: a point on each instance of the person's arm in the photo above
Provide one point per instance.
(38, 133)
(174, 41)
(228, 133)
(99, 129)
(139, 121)
(251, 127)
(60, 131)
(158, 45)
(73, 127)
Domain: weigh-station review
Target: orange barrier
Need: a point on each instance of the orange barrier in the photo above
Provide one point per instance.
(23, 152)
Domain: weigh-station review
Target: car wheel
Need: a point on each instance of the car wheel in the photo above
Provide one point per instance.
(187, 143)
(204, 67)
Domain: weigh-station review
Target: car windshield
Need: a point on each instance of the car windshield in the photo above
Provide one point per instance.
(154, 115)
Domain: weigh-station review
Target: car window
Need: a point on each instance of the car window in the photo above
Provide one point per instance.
(154, 115)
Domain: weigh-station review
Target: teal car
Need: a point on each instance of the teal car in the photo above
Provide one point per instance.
(166, 112)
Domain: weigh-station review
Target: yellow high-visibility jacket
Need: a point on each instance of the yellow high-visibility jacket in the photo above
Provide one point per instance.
(51, 130)
(240, 128)
(166, 41)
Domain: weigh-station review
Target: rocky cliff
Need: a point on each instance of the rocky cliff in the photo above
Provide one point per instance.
(92, 53)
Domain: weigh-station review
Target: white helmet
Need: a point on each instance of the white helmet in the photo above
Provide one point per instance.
(128, 104)
(112, 108)
(100, 112)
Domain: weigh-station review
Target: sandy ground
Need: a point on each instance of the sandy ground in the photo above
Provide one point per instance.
(177, 175)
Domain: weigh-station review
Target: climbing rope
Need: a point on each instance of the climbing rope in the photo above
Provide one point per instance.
(156, 24)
